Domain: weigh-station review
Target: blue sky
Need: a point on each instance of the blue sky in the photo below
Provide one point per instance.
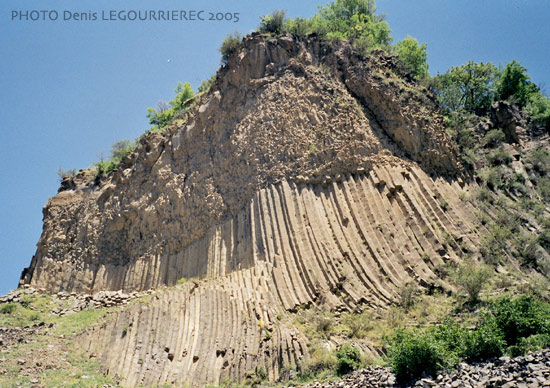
(69, 89)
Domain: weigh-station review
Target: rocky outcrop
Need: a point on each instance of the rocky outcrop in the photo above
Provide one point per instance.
(308, 175)
(510, 119)
(274, 115)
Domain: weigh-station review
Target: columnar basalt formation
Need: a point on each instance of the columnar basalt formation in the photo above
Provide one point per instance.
(307, 175)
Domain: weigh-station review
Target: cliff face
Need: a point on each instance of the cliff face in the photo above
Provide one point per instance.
(280, 111)
(307, 175)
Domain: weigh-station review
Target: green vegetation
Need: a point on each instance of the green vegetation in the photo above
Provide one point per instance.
(538, 108)
(159, 118)
(509, 326)
(413, 57)
(470, 87)
(66, 173)
(8, 308)
(273, 23)
(348, 359)
(230, 44)
(471, 277)
(351, 20)
(411, 354)
(205, 85)
(473, 87)
(119, 151)
(63, 365)
(358, 325)
(321, 363)
(514, 85)
(407, 295)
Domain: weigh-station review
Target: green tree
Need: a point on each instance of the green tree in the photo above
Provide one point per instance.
(538, 109)
(184, 92)
(340, 12)
(160, 117)
(514, 84)
(356, 20)
(164, 114)
(273, 23)
(470, 87)
(412, 56)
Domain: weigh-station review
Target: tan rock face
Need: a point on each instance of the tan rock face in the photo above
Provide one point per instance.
(283, 110)
(301, 178)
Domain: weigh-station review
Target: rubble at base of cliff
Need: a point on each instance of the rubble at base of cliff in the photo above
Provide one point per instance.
(76, 302)
(530, 371)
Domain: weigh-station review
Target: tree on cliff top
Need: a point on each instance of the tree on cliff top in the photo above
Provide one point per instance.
(412, 56)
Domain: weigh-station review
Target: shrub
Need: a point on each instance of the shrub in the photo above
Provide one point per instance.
(121, 148)
(104, 168)
(453, 336)
(472, 277)
(160, 117)
(205, 85)
(493, 177)
(411, 354)
(527, 247)
(484, 342)
(175, 108)
(261, 373)
(321, 359)
(273, 23)
(230, 44)
(407, 294)
(7, 308)
(529, 344)
(349, 359)
(470, 87)
(543, 186)
(539, 158)
(499, 157)
(544, 239)
(184, 93)
(299, 26)
(25, 301)
(358, 324)
(494, 137)
(324, 324)
(520, 317)
(66, 173)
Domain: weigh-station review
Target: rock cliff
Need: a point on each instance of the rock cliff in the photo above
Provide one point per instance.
(307, 175)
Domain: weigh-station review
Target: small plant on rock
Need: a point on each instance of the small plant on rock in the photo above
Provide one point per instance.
(230, 44)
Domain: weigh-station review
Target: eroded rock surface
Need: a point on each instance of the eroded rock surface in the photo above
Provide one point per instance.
(308, 175)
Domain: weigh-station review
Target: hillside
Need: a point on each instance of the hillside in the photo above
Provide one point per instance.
(310, 180)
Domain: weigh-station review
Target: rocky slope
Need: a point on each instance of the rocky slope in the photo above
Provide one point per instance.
(532, 371)
(307, 175)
